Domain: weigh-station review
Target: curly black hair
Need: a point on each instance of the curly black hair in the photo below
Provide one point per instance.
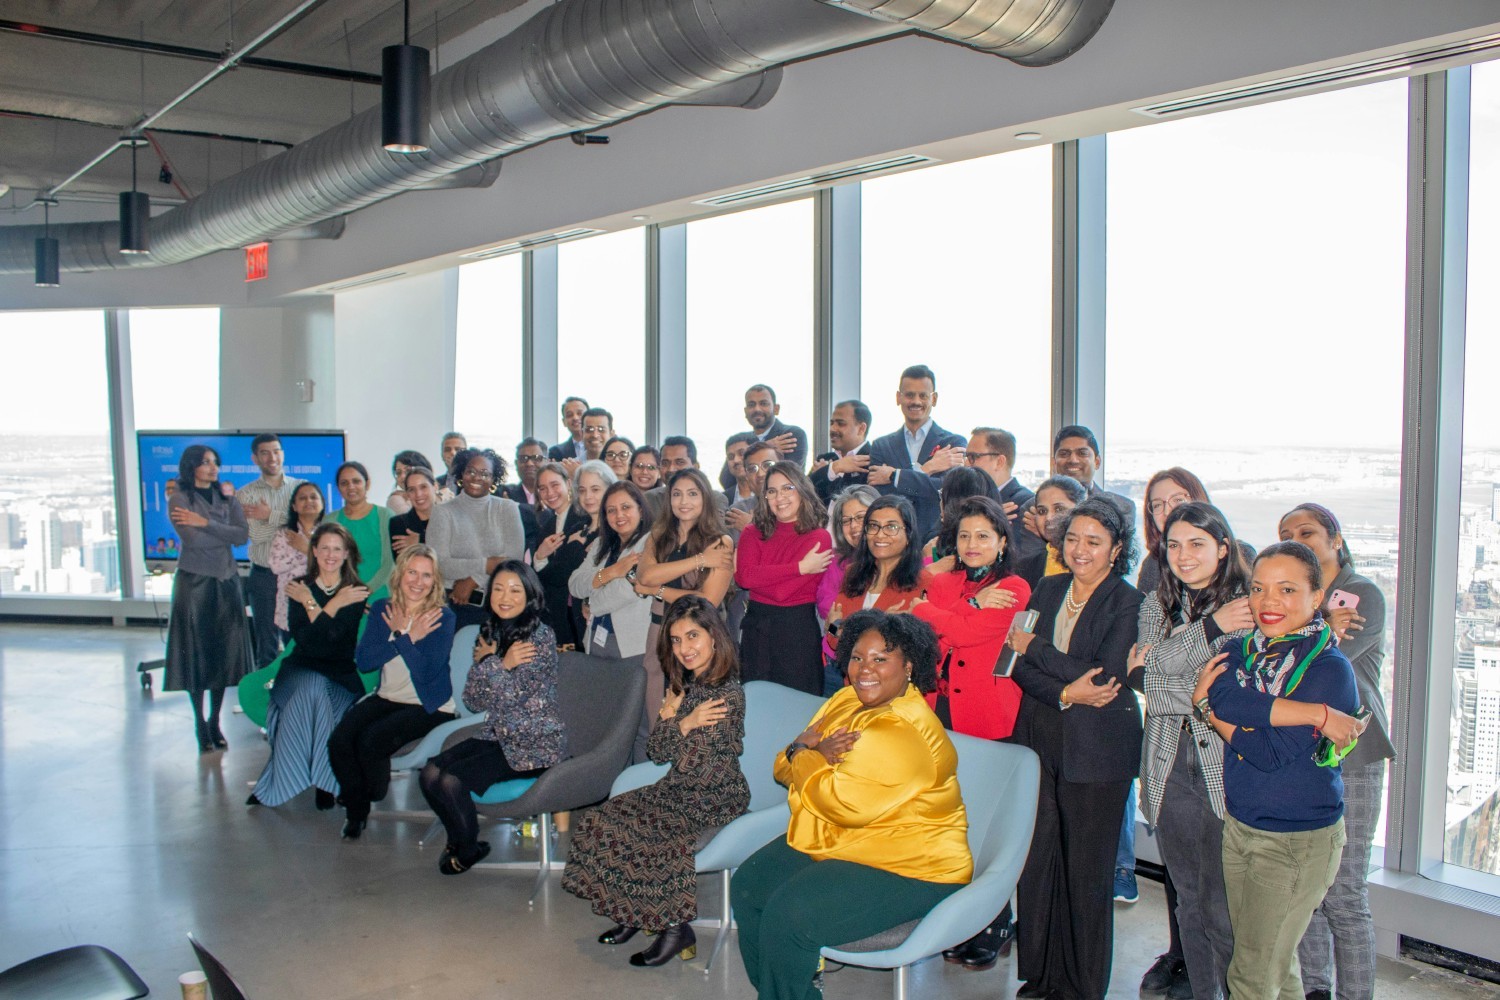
(461, 462)
(1112, 519)
(915, 639)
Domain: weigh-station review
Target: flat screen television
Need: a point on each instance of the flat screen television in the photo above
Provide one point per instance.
(310, 455)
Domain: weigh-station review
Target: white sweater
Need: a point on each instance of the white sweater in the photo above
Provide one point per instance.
(467, 531)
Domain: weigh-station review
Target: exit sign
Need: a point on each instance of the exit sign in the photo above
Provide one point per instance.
(257, 261)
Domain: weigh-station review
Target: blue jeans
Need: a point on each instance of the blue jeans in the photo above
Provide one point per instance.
(1125, 853)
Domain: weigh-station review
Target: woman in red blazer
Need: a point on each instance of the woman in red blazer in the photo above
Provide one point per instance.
(971, 608)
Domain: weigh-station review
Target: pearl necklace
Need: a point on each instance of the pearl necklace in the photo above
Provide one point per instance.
(1074, 607)
(327, 590)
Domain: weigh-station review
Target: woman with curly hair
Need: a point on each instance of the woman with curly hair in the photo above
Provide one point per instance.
(475, 532)
(878, 834)
(632, 858)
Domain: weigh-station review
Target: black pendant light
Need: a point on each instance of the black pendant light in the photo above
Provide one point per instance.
(47, 269)
(135, 212)
(405, 92)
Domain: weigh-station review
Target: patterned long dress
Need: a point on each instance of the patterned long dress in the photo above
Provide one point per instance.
(632, 858)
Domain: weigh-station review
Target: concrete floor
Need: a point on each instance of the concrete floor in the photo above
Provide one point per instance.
(114, 831)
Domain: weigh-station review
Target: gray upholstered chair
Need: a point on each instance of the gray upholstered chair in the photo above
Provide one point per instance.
(83, 972)
(601, 703)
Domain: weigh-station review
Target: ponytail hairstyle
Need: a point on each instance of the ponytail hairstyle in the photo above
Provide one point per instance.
(1330, 524)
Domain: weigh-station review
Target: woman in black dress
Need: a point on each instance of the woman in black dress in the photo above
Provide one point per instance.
(208, 638)
(420, 492)
(632, 858)
(562, 549)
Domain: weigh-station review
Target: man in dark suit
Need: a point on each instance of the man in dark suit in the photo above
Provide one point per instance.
(571, 450)
(762, 413)
(846, 464)
(993, 452)
(913, 460)
(530, 454)
(1075, 452)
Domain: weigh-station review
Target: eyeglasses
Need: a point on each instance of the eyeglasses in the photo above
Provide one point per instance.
(532, 459)
(973, 457)
(890, 529)
(619, 456)
(850, 522)
(639, 467)
(787, 490)
(478, 474)
(1170, 503)
(754, 468)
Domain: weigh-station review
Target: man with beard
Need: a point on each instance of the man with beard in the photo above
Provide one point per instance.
(846, 464)
(763, 414)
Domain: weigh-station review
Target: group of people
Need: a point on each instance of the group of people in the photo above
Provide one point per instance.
(911, 580)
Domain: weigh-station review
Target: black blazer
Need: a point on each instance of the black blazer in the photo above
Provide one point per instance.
(798, 454)
(829, 488)
(1097, 744)
(558, 452)
(914, 484)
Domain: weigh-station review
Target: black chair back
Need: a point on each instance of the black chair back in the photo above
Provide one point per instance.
(220, 983)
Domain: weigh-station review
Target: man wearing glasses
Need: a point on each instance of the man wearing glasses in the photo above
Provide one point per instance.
(992, 451)
(913, 460)
(531, 453)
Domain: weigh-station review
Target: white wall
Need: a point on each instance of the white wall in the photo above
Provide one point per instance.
(264, 352)
(394, 359)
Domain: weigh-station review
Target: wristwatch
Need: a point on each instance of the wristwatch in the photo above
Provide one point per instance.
(793, 747)
(1202, 710)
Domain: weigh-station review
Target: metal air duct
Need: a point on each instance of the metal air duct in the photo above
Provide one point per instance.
(578, 65)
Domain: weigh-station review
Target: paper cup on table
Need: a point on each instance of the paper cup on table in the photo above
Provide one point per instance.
(194, 986)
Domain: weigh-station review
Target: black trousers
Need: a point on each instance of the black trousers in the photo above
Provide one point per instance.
(362, 743)
(1065, 899)
(783, 645)
(264, 636)
(447, 779)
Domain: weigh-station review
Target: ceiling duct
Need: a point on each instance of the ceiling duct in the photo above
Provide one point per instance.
(578, 65)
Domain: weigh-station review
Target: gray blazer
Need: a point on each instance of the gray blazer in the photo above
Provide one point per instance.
(1366, 652)
(209, 550)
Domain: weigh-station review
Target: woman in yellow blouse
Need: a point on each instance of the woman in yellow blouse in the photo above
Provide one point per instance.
(878, 834)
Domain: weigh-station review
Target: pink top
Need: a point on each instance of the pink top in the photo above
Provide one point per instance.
(288, 564)
(767, 568)
(828, 586)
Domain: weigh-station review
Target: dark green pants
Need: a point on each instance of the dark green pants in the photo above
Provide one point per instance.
(789, 906)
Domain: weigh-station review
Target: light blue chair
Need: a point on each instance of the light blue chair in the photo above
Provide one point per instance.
(1000, 784)
(774, 716)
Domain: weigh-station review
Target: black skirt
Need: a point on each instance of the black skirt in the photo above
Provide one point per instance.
(783, 645)
(208, 636)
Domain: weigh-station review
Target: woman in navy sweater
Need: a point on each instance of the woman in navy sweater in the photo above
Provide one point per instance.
(407, 638)
(1285, 711)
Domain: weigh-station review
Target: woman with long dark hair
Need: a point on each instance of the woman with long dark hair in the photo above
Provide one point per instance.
(475, 532)
(618, 617)
(971, 607)
(398, 502)
(1165, 492)
(781, 556)
(846, 524)
(1089, 742)
(1341, 936)
(632, 858)
(421, 497)
(1282, 699)
(208, 635)
(1055, 499)
(884, 571)
(293, 544)
(689, 553)
(1200, 599)
(958, 485)
(616, 454)
(514, 683)
(317, 681)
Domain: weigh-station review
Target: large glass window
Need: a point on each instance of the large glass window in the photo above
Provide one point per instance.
(957, 275)
(1473, 809)
(1256, 266)
(487, 400)
(174, 368)
(749, 320)
(601, 327)
(57, 504)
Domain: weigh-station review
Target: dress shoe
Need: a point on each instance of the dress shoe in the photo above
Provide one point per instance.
(1319, 995)
(219, 742)
(1182, 987)
(1031, 991)
(353, 828)
(618, 934)
(1158, 978)
(252, 800)
(677, 940)
(455, 863)
(323, 800)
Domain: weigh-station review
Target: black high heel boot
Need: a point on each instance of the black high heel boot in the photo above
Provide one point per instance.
(215, 736)
(677, 940)
(618, 934)
(205, 741)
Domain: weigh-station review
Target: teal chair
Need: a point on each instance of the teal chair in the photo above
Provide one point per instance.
(774, 716)
(1000, 783)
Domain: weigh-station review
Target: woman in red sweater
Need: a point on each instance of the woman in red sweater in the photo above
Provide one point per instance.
(781, 557)
(971, 608)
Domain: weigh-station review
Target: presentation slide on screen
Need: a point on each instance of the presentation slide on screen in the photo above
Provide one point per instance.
(312, 456)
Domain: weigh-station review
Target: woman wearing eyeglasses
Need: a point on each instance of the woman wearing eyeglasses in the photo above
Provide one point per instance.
(645, 468)
(475, 532)
(617, 453)
(883, 571)
(1165, 492)
(846, 523)
(782, 555)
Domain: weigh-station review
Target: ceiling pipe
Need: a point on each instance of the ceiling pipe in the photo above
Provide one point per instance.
(577, 65)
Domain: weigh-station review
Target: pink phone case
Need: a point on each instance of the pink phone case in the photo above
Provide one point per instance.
(1343, 599)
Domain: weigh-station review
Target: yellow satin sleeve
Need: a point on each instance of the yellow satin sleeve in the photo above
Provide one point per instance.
(892, 803)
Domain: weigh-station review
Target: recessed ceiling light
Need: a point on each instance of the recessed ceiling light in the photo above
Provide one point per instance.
(639, 218)
(1028, 136)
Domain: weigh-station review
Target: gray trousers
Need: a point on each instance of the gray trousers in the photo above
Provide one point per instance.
(1190, 838)
(1342, 933)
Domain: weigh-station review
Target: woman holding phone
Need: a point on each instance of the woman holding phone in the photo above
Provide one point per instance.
(1200, 600)
(971, 608)
(1071, 669)
(1342, 933)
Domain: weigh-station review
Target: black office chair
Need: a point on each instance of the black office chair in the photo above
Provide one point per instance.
(84, 972)
(220, 983)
